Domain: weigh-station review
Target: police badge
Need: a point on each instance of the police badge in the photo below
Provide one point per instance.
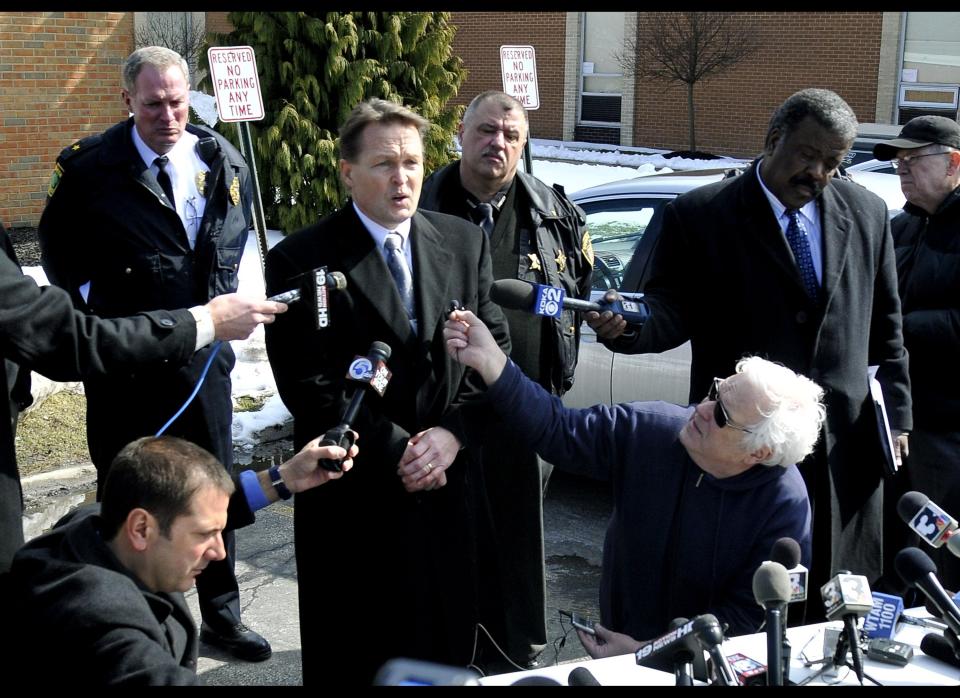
(202, 183)
(235, 191)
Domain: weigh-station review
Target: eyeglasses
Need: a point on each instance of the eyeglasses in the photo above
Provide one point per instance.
(720, 415)
(907, 162)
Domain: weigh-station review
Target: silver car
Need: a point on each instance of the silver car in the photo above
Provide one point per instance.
(624, 221)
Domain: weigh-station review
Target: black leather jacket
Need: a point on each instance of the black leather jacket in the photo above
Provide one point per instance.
(928, 265)
(550, 221)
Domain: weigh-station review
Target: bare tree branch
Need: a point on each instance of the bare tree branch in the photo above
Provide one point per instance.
(179, 31)
(686, 47)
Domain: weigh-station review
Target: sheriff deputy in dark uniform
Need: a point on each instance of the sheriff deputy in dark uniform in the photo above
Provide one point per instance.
(537, 234)
(154, 214)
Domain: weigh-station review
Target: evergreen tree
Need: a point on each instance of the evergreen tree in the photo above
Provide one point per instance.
(314, 68)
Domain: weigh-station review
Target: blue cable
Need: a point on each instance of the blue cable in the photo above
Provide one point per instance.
(196, 389)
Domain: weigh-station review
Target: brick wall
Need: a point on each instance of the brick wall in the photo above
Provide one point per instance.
(478, 40)
(838, 51)
(217, 23)
(59, 81)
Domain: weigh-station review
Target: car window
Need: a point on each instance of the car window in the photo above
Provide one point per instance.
(616, 227)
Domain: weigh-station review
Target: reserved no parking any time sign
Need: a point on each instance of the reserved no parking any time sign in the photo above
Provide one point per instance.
(236, 85)
(518, 65)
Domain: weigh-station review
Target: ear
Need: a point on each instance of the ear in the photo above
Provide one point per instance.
(460, 131)
(953, 164)
(760, 455)
(772, 139)
(127, 99)
(140, 528)
(346, 173)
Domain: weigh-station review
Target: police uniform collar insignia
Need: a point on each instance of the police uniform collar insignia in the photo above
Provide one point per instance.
(75, 146)
(235, 191)
(55, 179)
(534, 262)
(202, 182)
(561, 261)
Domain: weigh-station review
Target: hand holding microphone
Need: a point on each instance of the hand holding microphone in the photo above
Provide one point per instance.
(470, 342)
(550, 301)
(370, 372)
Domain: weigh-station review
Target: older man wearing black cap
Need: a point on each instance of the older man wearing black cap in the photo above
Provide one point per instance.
(926, 156)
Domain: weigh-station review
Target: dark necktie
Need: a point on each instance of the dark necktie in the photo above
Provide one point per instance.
(163, 179)
(397, 263)
(484, 215)
(797, 237)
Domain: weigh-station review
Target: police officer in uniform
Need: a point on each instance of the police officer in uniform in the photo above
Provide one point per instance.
(537, 234)
(154, 214)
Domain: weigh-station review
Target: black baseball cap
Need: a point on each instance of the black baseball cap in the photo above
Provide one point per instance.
(918, 132)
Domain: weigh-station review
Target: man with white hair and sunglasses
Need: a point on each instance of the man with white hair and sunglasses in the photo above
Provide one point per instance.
(701, 493)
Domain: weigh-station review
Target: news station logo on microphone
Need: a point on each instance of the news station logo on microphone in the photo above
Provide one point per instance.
(549, 301)
(882, 619)
(931, 523)
(362, 370)
(846, 593)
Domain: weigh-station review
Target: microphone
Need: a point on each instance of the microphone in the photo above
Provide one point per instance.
(675, 651)
(918, 570)
(548, 301)
(581, 676)
(847, 596)
(313, 287)
(372, 371)
(771, 589)
(536, 681)
(710, 635)
(786, 551)
(939, 647)
(929, 521)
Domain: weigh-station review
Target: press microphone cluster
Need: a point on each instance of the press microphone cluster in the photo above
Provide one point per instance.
(681, 649)
(370, 372)
(550, 300)
(314, 286)
(786, 551)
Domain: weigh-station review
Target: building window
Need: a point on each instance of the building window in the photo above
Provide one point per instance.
(601, 77)
(930, 79)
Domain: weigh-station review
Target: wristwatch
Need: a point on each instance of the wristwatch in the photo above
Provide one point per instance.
(276, 479)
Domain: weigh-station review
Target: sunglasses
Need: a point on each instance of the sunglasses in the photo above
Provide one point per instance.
(720, 415)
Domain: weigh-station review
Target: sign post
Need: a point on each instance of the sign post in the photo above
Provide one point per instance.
(236, 86)
(518, 68)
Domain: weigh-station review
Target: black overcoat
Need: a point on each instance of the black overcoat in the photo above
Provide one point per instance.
(382, 573)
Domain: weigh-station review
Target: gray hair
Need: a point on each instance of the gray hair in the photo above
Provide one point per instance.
(501, 99)
(375, 111)
(159, 57)
(827, 107)
(792, 408)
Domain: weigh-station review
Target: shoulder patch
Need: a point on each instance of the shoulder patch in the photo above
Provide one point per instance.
(54, 179)
(586, 246)
(81, 146)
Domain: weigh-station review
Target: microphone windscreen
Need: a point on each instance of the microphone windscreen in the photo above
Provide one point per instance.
(909, 504)
(536, 681)
(912, 564)
(513, 293)
(382, 349)
(786, 551)
(581, 676)
(939, 647)
(336, 280)
(771, 584)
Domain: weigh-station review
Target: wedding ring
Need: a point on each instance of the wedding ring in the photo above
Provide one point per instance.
(429, 467)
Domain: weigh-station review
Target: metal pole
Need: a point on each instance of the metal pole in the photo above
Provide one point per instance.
(259, 221)
(527, 157)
